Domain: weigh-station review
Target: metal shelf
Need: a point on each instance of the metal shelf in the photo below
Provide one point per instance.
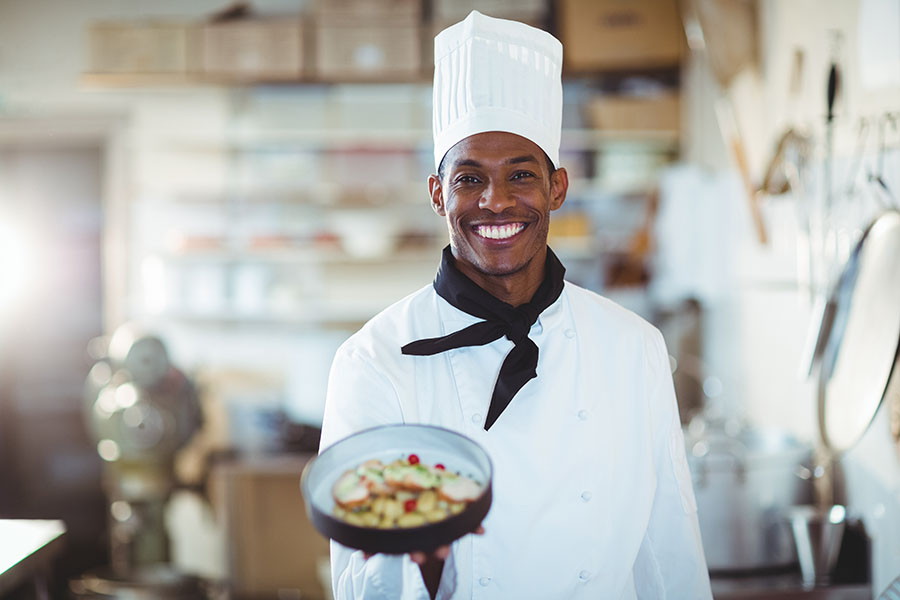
(406, 139)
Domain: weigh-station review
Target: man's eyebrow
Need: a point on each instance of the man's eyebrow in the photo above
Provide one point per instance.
(468, 162)
(521, 159)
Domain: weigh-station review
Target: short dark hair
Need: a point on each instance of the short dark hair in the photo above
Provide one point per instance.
(550, 167)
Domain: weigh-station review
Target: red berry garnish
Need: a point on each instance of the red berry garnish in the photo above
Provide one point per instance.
(413, 459)
(409, 505)
(440, 466)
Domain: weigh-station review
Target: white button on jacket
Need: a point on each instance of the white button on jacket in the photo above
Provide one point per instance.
(637, 537)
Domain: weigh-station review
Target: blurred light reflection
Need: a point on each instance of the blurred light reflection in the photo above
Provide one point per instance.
(155, 294)
(100, 374)
(120, 510)
(108, 450)
(17, 264)
(126, 395)
(106, 402)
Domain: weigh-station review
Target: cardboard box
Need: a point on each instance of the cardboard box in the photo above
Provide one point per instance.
(253, 49)
(635, 113)
(519, 10)
(358, 50)
(273, 549)
(600, 35)
(440, 23)
(405, 10)
(151, 48)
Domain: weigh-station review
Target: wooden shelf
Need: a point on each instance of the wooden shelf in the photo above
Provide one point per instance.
(266, 171)
(597, 139)
(314, 315)
(408, 139)
(303, 255)
(300, 195)
(235, 320)
(162, 80)
(139, 80)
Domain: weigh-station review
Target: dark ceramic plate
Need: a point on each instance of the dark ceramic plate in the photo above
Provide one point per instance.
(387, 443)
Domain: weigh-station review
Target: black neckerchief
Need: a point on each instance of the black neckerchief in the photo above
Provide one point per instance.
(500, 319)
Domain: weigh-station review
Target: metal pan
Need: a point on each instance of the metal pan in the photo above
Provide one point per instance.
(860, 350)
(387, 443)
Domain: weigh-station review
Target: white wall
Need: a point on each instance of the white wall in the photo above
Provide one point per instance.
(764, 101)
(760, 317)
(767, 316)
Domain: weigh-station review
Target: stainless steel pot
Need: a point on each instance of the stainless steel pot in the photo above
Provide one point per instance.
(744, 483)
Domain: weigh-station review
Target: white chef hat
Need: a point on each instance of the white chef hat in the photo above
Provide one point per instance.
(497, 75)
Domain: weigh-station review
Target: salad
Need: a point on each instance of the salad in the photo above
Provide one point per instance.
(404, 493)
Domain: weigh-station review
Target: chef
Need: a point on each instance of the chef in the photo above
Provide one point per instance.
(570, 394)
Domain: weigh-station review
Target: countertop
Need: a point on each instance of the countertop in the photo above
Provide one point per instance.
(26, 549)
(785, 587)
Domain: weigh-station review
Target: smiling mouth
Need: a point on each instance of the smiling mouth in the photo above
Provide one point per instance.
(499, 232)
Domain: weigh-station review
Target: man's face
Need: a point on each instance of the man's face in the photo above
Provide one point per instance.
(497, 193)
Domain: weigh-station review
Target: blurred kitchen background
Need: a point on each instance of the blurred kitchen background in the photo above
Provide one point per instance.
(199, 201)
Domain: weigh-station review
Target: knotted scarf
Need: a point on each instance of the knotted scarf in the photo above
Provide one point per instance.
(500, 319)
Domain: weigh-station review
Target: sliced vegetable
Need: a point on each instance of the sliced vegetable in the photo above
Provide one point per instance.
(404, 493)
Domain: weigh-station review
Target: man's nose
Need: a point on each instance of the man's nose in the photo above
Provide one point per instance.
(496, 198)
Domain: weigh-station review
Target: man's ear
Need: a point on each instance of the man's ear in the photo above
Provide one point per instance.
(437, 195)
(559, 185)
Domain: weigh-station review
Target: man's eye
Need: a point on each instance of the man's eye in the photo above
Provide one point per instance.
(522, 175)
(466, 179)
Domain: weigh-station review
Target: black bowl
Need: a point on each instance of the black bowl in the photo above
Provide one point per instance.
(387, 443)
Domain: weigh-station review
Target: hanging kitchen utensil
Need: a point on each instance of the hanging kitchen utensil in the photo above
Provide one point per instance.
(829, 235)
(859, 354)
(862, 134)
(884, 195)
(780, 177)
(824, 307)
(728, 124)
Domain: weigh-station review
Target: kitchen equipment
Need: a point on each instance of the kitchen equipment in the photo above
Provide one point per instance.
(858, 357)
(728, 124)
(817, 533)
(860, 348)
(826, 301)
(140, 410)
(830, 248)
(387, 443)
(821, 232)
(143, 356)
(885, 196)
(743, 482)
(150, 582)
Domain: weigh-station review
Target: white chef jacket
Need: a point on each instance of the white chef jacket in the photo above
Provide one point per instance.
(592, 495)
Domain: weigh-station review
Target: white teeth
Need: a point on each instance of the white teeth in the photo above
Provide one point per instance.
(500, 232)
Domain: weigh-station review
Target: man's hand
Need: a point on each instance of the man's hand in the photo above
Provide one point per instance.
(431, 563)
